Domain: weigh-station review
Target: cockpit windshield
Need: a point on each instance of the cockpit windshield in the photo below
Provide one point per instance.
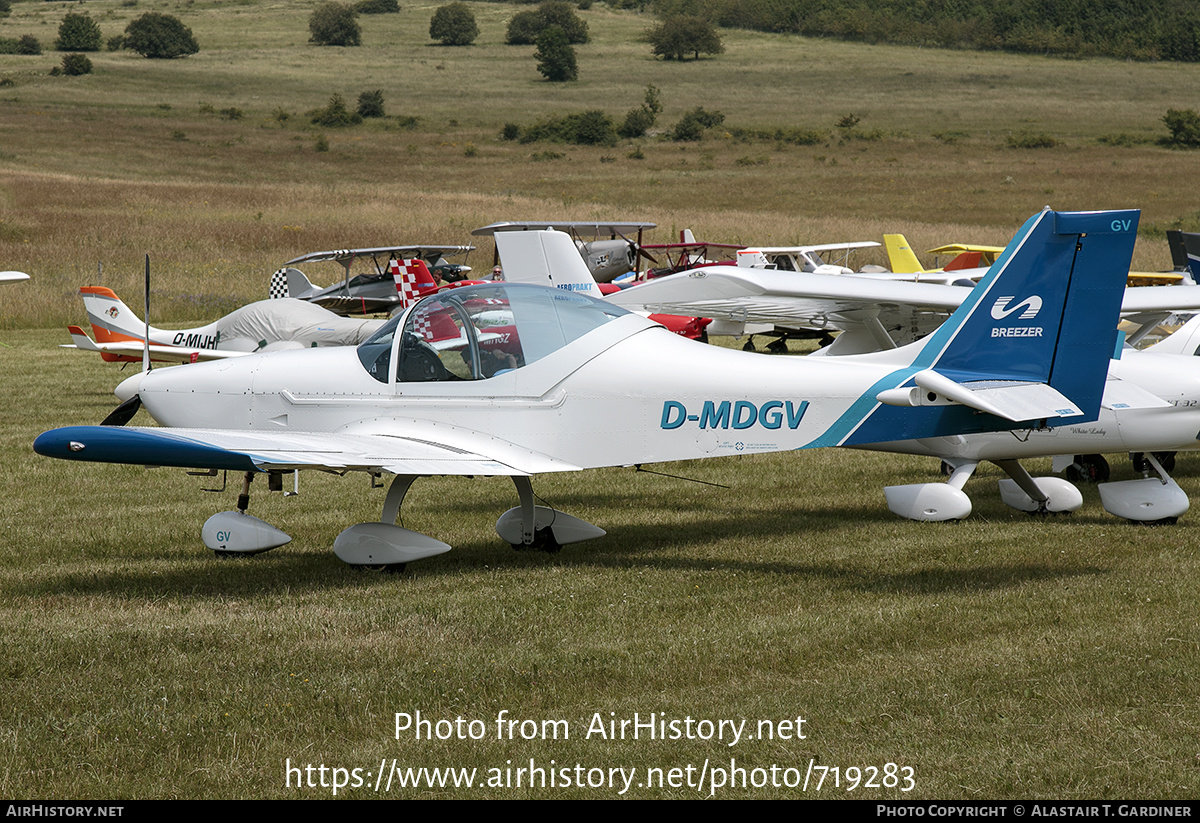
(477, 332)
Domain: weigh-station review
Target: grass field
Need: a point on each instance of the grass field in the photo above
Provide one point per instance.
(1001, 657)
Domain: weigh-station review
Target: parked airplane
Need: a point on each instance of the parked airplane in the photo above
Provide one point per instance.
(369, 292)
(400, 405)
(13, 276)
(870, 312)
(972, 261)
(1151, 407)
(267, 325)
(688, 253)
(611, 254)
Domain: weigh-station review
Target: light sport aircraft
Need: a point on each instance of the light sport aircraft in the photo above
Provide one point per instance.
(970, 262)
(267, 325)
(399, 404)
(13, 276)
(612, 253)
(369, 292)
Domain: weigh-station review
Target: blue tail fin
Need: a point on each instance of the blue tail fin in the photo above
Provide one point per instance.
(1191, 245)
(1036, 315)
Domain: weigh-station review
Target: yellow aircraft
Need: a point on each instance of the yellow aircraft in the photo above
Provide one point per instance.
(967, 256)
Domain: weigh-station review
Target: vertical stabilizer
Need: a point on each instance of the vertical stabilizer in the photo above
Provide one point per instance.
(1033, 317)
(901, 257)
(112, 321)
(413, 280)
(545, 258)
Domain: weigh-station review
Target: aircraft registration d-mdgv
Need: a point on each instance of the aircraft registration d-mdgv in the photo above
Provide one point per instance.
(508, 379)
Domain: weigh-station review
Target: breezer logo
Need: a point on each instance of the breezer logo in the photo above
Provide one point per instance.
(1032, 306)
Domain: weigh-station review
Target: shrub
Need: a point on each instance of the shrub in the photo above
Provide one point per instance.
(115, 43)
(1026, 139)
(335, 114)
(334, 24)
(692, 125)
(377, 7)
(638, 121)
(680, 35)
(589, 128)
(454, 25)
(78, 32)
(160, 37)
(555, 56)
(28, 44)
(525, 26)
(1184, 125)
(5, 6)
(76, 64)
(370, 103)
(511, 131)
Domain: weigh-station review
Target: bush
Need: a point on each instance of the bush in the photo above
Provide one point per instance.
(76, 64)
(511, 131)
(5, 6)
(555, 56)
(638, 121)
(160, 37)
(28, 44)
(525, 26)
(377, 7)
(333, 24)
(589, 128)
(116, 42)
(78, 32)
(370, 103)
(335, 114)
(1184, 125)
(1026, 139)
(680, 35)
(454, 25)
(693, 124)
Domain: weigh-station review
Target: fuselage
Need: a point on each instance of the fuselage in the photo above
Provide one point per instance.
(625, 392)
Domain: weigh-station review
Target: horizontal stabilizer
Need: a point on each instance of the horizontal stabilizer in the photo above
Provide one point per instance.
(1012, 400)
(133, 349)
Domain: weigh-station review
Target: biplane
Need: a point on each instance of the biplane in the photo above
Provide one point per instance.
(372, 290)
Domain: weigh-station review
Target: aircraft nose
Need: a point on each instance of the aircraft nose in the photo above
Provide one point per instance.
(129, 387)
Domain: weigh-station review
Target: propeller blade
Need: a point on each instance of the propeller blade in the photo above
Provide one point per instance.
(123, 413)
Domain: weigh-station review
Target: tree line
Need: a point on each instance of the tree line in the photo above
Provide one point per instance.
(1127, 29)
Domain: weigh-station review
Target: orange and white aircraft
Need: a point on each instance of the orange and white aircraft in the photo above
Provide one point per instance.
(267, 325)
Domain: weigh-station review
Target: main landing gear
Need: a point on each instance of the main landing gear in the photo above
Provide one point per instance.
(384, 545)
(947, 501)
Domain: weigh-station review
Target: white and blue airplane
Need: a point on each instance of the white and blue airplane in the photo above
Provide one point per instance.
(509, 379)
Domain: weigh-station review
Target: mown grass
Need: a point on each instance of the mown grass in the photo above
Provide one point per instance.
(1000, 657)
